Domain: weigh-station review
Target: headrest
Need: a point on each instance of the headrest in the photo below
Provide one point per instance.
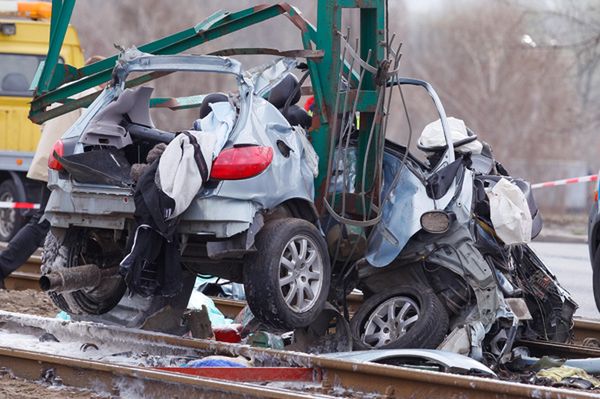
(211, 99)
(297, 116)
(283, 90)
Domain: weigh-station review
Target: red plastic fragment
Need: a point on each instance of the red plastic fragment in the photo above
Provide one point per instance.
(231, 333)
(258, 374)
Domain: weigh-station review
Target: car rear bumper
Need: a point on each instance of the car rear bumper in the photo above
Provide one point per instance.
(111, 208)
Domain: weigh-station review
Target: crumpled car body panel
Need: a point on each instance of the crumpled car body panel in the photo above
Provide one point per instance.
(405, 201)
(448, 361)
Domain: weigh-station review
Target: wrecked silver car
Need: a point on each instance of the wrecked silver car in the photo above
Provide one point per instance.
(438, 272)
(231, 197)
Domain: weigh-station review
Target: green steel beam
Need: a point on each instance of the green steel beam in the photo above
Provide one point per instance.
(372, 37)
(324, 72)
(61, 15)
(173, 44)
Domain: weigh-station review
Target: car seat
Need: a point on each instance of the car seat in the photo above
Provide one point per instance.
(285, 96)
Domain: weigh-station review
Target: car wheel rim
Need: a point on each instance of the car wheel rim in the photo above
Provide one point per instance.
(7, 216)
(390, 321)
(301, 274)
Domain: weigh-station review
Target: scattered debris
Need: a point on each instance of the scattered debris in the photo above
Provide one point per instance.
(85, 347)
(47, 337)
(569, 376)
(219, 361)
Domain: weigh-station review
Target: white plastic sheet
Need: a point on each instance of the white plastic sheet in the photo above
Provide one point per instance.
(510, 213)
(433, 136)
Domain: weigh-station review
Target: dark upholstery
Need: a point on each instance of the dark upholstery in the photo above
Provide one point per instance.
(283, 90)
(297, 116)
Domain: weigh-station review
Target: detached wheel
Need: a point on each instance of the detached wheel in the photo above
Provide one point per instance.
(404, 317)
(80, 247)
(287, 280)
(11, 220)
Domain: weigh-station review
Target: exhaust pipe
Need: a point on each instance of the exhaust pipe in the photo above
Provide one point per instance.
(74, 278)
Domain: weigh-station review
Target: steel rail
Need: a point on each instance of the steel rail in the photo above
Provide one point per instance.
(25, 277)
(28, 275)
(582, 329)
(338, 376)
(120, 380)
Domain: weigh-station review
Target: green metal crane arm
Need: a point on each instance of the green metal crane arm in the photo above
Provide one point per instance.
(52, 82)
(58, 83)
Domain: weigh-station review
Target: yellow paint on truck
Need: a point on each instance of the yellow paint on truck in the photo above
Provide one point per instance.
(23, 46)
(22, 52)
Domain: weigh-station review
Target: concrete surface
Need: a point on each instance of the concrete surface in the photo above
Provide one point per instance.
(571, 264)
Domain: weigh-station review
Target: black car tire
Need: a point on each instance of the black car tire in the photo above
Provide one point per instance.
(427, 331)
(11, 219)
(67, 254)
(269, 280)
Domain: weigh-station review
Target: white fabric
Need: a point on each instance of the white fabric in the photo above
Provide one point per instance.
(433, 136)
(178, 175)
(265, 77)
(219, 123)
(510, 213)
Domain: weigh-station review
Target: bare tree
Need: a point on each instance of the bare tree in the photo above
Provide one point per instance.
(515, 97)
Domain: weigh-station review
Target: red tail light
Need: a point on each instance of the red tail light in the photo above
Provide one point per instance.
(241, 162)
(59, 148)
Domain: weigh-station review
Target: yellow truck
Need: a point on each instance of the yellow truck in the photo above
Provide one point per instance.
(24, 38)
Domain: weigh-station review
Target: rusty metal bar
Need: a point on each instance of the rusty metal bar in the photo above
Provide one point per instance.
(366, 378)
(567, 351)
(122, 380)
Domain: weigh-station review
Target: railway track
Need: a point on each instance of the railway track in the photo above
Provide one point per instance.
(27, 277)
(327, 377)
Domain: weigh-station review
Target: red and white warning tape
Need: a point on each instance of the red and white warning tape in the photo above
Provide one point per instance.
(573, 180)
(18, 205)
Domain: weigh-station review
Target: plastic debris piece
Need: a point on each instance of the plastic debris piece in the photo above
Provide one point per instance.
(219, 361)
(62, 315)
(559, 374)
(231, 333)
(88, 345)
(198, 299)
(249, 374)
(47, 337)
(198, 322)
(263, 339)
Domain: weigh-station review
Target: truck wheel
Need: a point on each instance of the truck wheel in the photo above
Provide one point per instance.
(11, 220)
(287, 280)
(79, 247)
(403, 317)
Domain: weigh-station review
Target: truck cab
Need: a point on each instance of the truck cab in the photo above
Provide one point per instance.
(23, 46)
